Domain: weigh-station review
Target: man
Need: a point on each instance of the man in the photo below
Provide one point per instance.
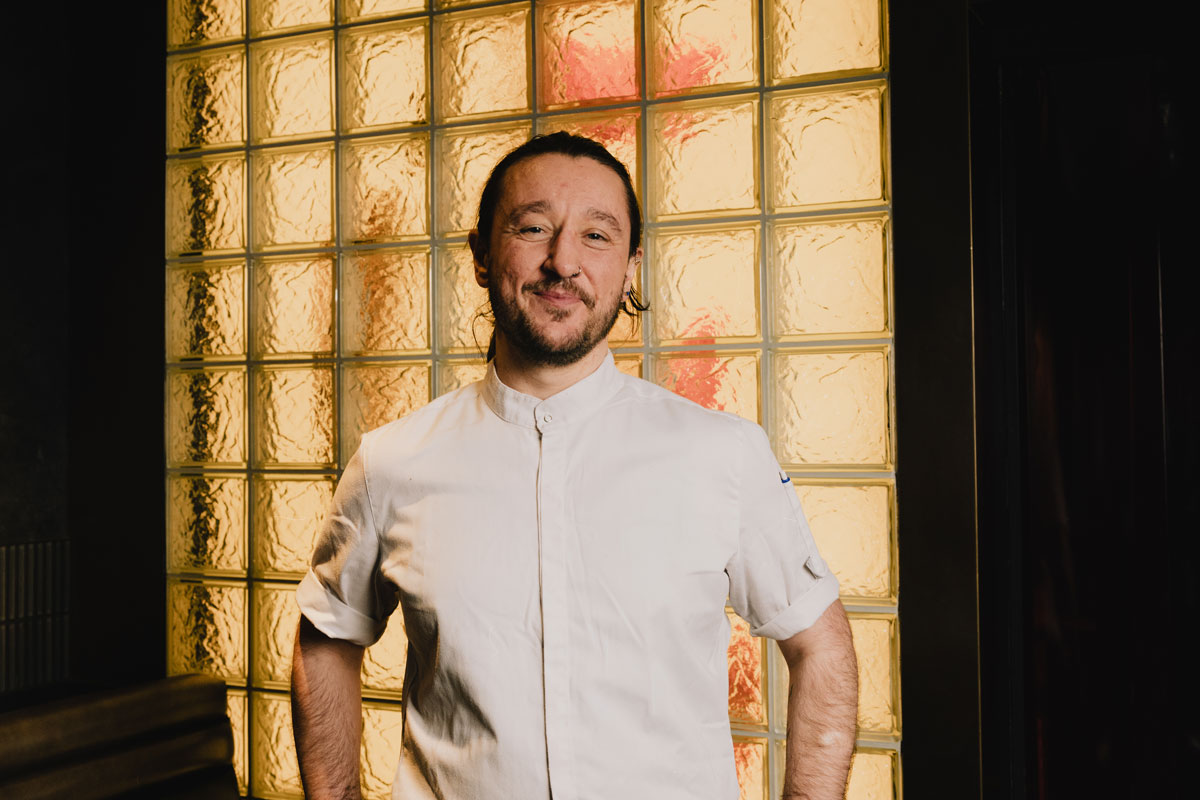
(562, 539)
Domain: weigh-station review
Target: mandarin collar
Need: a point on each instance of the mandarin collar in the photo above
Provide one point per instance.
(576, 402)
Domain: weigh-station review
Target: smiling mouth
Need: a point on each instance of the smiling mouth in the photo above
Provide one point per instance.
(559, 293)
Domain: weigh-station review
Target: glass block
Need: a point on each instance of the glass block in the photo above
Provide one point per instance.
(206, 523)
(206, 417)
(874, 638)
(826, 147)
(291, 88)
(237, 706)
(273, 16)
(617, 131)
(193, 22)
(705, 284)
(286, 512)
(354, 10)
(205, 100)
(276, 616)
(293, 306)
(720, 380)
(376, 394)
(631, 365)
(383, 663)
(206, 310)
(810, 38)
(383, 733)
(626, 332)
(293, 409)
(206, 205)
(747, 674)
(465, 159)
(703, 158)
(829, 277)
(872, 775)
(385, 185)
(750, 759)
(463, 314)
(701, 43)
(457, 374)
(206, 629)
(273, 766)
(482, 62)
(383, 75)
(852, 525)
(385, 301)
(588, 52)
(293, 197)
(831, 408)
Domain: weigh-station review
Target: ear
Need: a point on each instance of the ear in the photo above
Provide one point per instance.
(480, 258)
(631, 270)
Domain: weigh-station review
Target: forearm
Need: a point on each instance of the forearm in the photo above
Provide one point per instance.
(822, 716)
(327, 713)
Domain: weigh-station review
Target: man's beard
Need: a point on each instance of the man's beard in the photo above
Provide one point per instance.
(532, 344)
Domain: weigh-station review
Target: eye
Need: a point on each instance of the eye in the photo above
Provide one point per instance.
(532, 229)
(596, 236)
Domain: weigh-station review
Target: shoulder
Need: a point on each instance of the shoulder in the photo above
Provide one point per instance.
(663, 407)
(417, 429)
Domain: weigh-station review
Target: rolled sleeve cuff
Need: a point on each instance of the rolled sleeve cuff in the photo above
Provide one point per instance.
(801, 614)
(334, 618)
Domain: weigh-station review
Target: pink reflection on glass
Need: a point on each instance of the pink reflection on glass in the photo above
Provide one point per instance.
(700, 377)
(745, 674)
(596, 64)
(689, 64)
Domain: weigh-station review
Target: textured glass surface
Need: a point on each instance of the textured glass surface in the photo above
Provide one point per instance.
(457, 374)
(383, 663)
(293, 197)
(286, 513)
(819, 37)
(270, 16)
(463, 314)
(205, 98)
(274, 769)
(829, 277)
(873, 639)
(831, 408)
(617, 131)
(852, 526)
(482, 64)
(629, 364)
(702, 158)
(206, 629)
(705, 284)
(376, 394)
(385, 301)
(384, 188)
(719, 380)
(291, 87)
(871, 776)
(750, 758)
(747, 674)
(700, 43)
(383, 76)
(293, 306)
(192, 22)
(205, 310)
(353, 10)
(293, 409)
(276, 616)
(206, 205)
(587, 52)
(206, 417)
(206, 523)
(465, 158)
(237, 706)
(826, 147)
(383, 731)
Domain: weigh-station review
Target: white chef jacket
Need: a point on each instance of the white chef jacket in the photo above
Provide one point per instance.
(562, 566)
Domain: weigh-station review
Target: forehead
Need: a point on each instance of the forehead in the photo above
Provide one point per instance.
(558, 179)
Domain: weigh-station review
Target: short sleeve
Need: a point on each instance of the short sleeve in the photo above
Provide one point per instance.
(344, 595)
(778, 582)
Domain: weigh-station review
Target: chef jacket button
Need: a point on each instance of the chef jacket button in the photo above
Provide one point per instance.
(548, 418)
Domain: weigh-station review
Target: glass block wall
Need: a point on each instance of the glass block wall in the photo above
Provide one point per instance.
(324, 161)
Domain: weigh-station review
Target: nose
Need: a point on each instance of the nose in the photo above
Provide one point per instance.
(565, 257)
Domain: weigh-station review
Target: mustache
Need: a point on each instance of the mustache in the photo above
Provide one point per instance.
(565, 285)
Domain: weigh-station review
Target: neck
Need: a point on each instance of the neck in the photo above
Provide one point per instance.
(540, 380)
